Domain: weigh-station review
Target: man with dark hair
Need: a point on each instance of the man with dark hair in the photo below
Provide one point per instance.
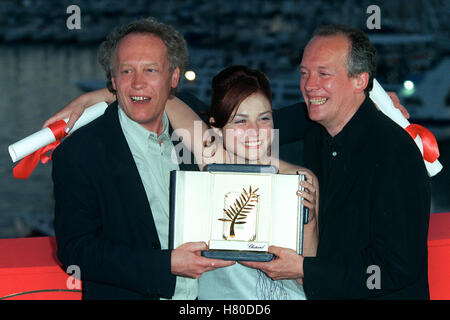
(111, 194)
(374, 188)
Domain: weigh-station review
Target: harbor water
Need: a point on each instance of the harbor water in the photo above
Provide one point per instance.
(35, 81)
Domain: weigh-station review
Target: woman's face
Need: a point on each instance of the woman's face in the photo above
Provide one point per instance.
(247, 134)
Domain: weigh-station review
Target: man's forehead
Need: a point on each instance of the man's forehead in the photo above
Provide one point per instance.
(140, 42)
(330, 40)
(140, 36)
(325, 50)
(143, 47)
(141, 62)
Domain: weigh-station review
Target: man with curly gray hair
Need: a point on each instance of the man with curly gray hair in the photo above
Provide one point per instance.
(111, 194)
(175, 43)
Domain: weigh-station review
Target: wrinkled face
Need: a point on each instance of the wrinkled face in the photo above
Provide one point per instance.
(142, 79)
(247, 134)
(326, 87)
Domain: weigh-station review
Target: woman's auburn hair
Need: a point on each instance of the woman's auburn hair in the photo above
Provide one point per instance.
(233, 85)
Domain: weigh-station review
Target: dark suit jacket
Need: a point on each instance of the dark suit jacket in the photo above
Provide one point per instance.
(374, 211)
(103, 221)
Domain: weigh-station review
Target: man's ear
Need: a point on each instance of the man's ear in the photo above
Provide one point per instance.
(113, 81)
(361, 81)
(175, 77)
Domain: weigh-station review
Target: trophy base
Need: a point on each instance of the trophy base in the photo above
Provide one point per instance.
(239, 245)
(238, 255)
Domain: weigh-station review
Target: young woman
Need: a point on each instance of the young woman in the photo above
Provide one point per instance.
(241, 119)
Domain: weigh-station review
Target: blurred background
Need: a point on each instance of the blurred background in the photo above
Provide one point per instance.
(44, 65)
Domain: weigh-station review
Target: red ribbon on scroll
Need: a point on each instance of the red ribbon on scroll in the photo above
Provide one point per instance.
(26, 166)
(430, 146)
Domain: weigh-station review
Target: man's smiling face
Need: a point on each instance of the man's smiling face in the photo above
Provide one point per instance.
(142, 79)
(328, 90)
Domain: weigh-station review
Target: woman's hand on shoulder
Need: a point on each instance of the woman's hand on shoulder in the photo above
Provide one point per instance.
(397, 104)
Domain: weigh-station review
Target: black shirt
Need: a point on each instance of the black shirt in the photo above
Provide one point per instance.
(374, 206)
(293, 122)
(374, 211)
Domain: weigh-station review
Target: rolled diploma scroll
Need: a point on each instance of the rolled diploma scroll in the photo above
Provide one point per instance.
(385, 105)
(43, 137)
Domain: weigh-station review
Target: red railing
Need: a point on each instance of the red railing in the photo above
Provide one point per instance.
(29, 268)
(439, 256)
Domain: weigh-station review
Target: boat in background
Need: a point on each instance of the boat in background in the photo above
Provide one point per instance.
(428, 100)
